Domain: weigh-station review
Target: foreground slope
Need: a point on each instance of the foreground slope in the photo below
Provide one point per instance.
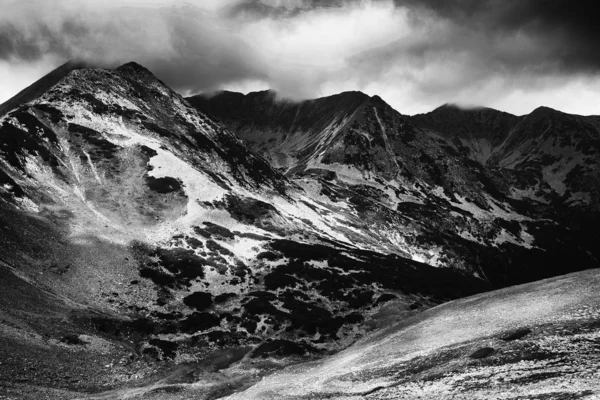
(537, 340)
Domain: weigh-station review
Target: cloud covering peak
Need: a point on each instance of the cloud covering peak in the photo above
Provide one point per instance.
(511, 55)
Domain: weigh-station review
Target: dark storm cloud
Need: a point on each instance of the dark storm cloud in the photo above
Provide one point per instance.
(569, 27)
(14, 43)
(202, 56)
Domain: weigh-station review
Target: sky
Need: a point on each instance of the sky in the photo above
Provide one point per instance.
(512, 55)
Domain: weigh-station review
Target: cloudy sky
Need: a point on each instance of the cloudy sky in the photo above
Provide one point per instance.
(513, 55)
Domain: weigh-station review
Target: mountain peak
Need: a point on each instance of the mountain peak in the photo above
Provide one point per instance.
(447, 106)
(377, 100)
(353, 94)
(132, 65)
(543, 110)
(135, 68)
(41, 85)
(545, 113)
(470, 124)
(459, 108)
(269, 94)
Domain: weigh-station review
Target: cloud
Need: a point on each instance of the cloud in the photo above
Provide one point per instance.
(568, 30)
(416, 54)
(483, 52)
(182, 44)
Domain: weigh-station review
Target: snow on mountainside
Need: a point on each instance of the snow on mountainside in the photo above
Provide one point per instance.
(355, 139)
(143, 235)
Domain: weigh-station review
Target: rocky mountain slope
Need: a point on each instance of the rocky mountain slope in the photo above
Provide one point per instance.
(546, 155)
(145, 249)
(443, 176)
(139, 235)
(475, 132)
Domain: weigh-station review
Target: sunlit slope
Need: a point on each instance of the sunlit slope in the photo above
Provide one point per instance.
(538, 339)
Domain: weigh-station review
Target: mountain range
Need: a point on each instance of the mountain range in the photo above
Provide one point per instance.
(159, 246)
(471, 181)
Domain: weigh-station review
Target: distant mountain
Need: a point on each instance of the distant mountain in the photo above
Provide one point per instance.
(358, 138)
(546, 156)
(446, 172)
(475, 131)
(558, 153)
(273, 125)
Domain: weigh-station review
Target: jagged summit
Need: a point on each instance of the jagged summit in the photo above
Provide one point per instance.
(377, 101)
(96, 99)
